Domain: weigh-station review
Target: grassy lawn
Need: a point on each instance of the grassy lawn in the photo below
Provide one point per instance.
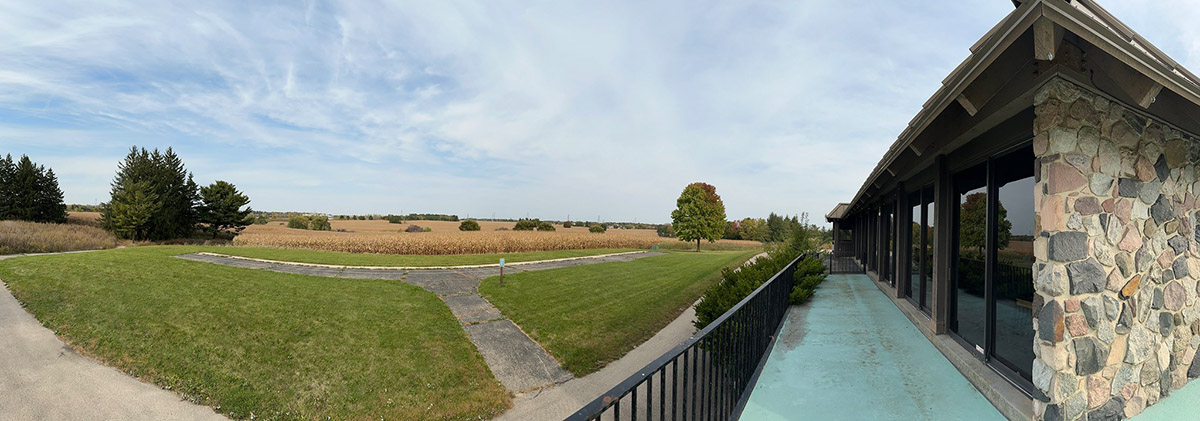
(588, 316)
(368, 259)
(252, 341)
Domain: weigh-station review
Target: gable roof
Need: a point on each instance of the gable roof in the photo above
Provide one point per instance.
(1084, 18)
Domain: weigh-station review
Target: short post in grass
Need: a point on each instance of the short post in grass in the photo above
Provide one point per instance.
(501, 271)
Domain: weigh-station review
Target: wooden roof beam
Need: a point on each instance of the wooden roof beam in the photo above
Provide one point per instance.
(977, 95)
(1140, 88)
(1047, 36)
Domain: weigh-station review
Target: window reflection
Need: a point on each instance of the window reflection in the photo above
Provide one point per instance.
(927, 279)
(971, 236)
(1013, 277)
(914, 265)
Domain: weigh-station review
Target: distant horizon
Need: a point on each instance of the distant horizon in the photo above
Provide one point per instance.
(490, 218)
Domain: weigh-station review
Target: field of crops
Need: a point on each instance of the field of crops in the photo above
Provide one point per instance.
(386, 238)
(32, 237)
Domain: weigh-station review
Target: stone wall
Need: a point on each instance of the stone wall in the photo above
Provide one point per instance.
(1115, 314)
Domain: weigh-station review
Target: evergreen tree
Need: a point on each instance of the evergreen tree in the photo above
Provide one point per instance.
(7, 192)
(50, 205)
(169, 183)
(131, 209)
(29, 192)
(776, 227)
(221, 208)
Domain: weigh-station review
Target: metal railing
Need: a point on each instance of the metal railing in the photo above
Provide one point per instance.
(841, 264)
(708, 376)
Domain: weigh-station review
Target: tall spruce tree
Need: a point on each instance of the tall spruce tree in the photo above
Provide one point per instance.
(131, 209)
(30, 192)
(221, 208)
(7, 192)
(171, 186)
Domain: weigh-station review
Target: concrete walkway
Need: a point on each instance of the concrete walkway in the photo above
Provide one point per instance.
(520, 364)
(41, 378)
(851, 354)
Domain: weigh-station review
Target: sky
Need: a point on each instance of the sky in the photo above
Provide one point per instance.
(552, 109)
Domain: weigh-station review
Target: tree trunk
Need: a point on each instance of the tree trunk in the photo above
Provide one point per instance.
(697, 244)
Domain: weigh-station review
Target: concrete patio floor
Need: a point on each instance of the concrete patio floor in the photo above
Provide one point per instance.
(1181, 405)
(851, 354)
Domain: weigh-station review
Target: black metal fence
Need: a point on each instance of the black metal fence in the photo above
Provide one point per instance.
(707, 377)
(842, 264)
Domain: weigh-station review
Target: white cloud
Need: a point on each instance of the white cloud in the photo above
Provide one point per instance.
(551, 108)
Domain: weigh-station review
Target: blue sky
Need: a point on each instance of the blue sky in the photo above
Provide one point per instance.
(547, 108)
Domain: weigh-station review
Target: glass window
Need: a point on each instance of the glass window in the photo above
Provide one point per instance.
(914, 247)
(970, 317)
(927, 278)
(1013, 276)
(887, 234)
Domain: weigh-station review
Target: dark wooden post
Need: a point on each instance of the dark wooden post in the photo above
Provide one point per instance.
(943, 237)
(902, 232)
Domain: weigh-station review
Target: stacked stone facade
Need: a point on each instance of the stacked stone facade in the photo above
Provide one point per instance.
(1115, 314)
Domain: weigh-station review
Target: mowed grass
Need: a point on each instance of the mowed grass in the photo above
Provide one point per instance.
(369, 259)
(588, 316)
(256, 342)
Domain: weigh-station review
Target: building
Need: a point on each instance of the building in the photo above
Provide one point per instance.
(1037, 219)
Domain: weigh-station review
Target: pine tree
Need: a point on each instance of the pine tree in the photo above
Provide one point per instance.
(173, 188)
(131, 209)
(7, 192)
(221, 208)
(29, 192)
(50, 205)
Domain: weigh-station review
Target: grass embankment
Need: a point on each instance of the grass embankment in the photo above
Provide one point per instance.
(368, 259)
(253, 341)
(33, 237)
(588, 316)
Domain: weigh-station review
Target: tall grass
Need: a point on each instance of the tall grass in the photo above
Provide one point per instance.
(31, 237)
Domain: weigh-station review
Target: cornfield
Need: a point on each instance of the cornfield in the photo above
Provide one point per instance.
(32, 237)
(382, 237)
(445, 243)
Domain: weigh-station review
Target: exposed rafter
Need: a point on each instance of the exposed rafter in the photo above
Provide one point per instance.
(1046, 37)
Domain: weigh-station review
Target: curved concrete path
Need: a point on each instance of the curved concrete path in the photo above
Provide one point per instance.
(41, 378)
(520, 364)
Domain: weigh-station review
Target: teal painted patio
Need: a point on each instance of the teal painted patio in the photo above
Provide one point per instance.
(851, 354)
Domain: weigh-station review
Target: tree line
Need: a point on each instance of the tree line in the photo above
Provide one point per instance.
(29, 192)
(700, 215)
(153, 197)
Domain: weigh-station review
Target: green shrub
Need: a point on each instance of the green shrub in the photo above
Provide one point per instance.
(545, 226)
(737, 284)
(414, 228)
(567, 224)
(319, 223)
(298, 222)
(468, 225)
(426, 229)
(597, 229)
(665, 230)
(810, 273)
(526, 224)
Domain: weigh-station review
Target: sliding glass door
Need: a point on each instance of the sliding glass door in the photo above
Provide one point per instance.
(920, 247)
(993, 260)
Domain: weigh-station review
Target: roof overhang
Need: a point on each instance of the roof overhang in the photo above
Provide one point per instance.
(1140, 75)
(838, 212)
